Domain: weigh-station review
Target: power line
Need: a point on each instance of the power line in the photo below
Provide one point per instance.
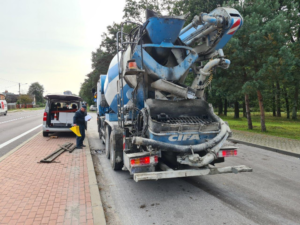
(8, 80)
(11, 81)
(11, 86)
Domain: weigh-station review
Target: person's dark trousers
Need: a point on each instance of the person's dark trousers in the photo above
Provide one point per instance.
(79, 140)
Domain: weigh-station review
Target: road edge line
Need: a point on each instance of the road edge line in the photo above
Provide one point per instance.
(18, 147)
(97, 206)
(266, 148)
(19, 136)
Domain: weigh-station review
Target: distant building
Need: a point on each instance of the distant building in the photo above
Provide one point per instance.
(13, 98)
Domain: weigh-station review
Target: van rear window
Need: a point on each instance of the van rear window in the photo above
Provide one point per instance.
(64, 106)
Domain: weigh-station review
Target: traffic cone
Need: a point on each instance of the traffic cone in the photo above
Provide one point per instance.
(76, 130)
(55, 118)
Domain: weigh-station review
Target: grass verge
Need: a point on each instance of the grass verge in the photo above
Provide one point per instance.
(276, 126)
(27, 109)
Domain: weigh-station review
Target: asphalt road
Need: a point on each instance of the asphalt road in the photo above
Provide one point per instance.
(17, 127)
(268, 195)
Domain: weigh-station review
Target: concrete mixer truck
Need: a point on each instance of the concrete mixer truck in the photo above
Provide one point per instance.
(152, 123)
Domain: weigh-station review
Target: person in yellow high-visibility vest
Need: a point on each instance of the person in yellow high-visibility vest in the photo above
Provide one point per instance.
(79, 120)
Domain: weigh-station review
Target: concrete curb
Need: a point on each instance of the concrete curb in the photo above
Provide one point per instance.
(16, 148)
(98, 212)
(266, 148)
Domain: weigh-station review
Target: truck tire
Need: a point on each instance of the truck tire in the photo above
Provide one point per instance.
(5, 113)
(45, 134)
(100, 136)
(115, 153)
(99, 132)
(107, 141)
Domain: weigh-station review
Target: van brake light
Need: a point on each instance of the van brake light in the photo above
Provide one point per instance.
(45, 116)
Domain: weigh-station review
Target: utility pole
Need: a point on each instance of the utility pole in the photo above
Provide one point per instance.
(20, 88)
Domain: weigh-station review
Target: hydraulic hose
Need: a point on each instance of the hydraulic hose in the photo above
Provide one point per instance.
(183, 148)
(224, 63)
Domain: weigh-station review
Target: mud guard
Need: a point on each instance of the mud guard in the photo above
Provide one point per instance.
(117, 138)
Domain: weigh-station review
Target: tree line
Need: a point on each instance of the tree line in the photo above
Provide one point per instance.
(264, 53)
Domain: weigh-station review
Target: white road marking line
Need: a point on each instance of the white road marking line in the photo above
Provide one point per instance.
(24, 117)
(21, 135)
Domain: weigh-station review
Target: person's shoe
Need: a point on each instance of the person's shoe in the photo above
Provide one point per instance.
(78, 147)
(83, 145)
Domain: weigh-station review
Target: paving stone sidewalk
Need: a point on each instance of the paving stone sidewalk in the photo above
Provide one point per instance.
(39, 193)
(283, 144)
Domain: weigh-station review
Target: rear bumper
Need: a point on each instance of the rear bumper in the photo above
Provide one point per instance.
(55, 129)
(190, 173)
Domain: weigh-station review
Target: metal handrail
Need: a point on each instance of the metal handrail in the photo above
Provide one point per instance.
(120, 70)
(169, 46)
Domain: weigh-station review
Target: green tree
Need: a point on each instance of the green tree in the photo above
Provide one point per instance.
(101, 59)
(256, 47)
(265, 53)
(100, 62)
(291, 52)
(134, 10)
(38, 90)
(25, 99)
(191, 7)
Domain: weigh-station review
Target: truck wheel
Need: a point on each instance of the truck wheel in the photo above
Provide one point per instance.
(45, 134)
(113, 154)
(107, 136)
(99, 132)
(5, 113)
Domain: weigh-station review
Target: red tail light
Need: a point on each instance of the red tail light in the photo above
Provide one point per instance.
(144, 161)
(132, 65)
(45, 116)
(227, 153)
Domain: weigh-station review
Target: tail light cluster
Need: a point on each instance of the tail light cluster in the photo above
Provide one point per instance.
(227, 153)
(144, 161)
(45, 116)
(132, 65)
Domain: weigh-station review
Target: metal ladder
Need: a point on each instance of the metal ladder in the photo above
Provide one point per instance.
(120, 86)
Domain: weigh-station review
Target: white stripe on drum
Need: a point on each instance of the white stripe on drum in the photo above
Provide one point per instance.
(112, 90)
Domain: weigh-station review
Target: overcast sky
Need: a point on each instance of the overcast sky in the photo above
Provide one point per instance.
(50, 41)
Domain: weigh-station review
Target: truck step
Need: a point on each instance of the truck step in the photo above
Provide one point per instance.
(190, 172)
